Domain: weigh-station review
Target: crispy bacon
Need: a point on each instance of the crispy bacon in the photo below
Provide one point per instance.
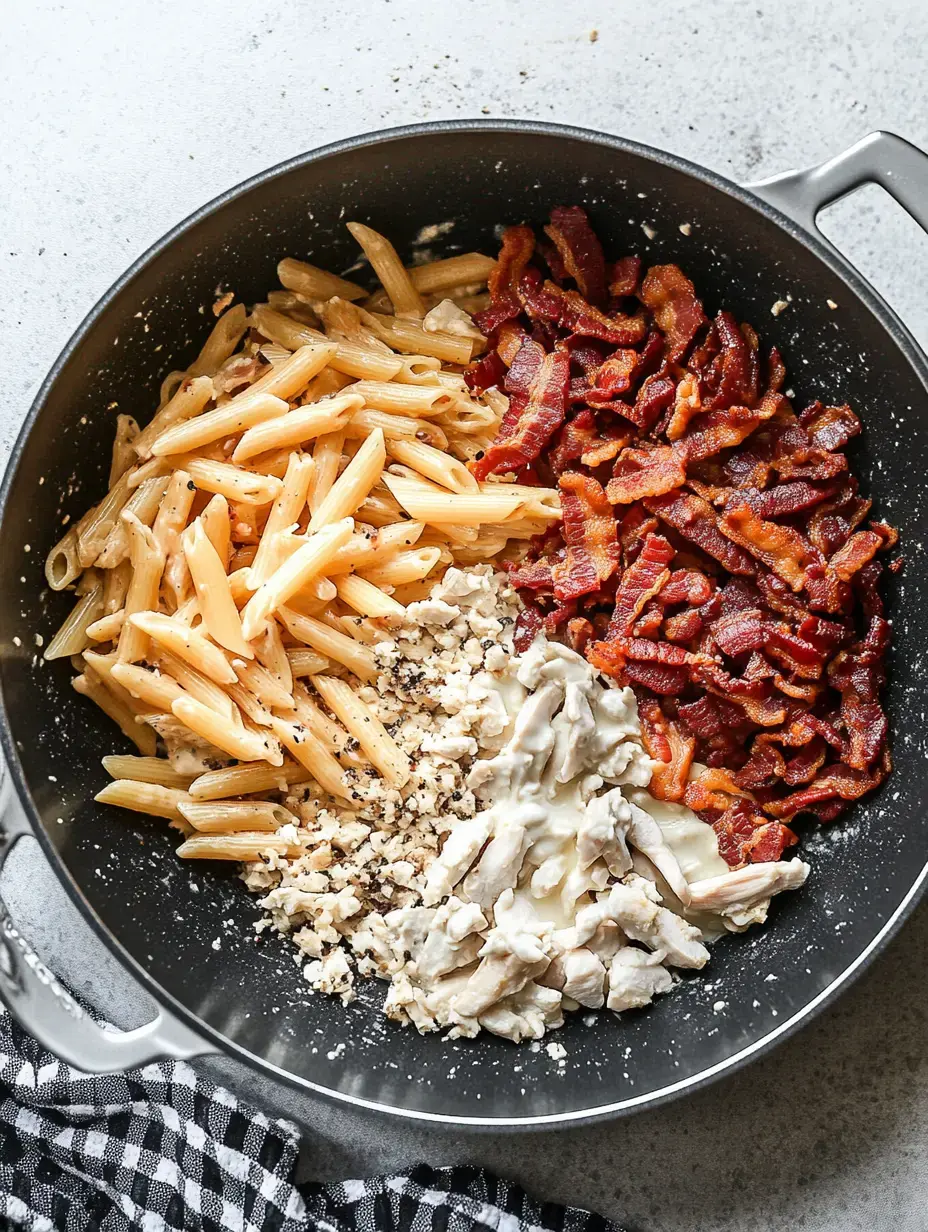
(697, 521)
(580, 251)
(542, 415)
(830, 427)
(589, 530)
(781, 548)
(623, 276)
(570, 311)
(730, 592)
(640, 582)
(671, 297)
(645, 472)
(529, 622)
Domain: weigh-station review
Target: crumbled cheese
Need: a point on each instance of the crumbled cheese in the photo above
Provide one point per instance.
(831, 303)
(648, 230)
(686, 228)
(447, 318)
(779, 306)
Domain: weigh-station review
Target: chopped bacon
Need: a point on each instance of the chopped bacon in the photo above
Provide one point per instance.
(570, 311)
(667, 744)
(578, 435)
(671, 297)
(641, 582)
(623, 276)
(542, 415)
(830, 427)
(697, 521)
(580, 251)
(859, 550)
(529, 622)
(589, 530)
(727, 567)
(781, 548)
(645, 472)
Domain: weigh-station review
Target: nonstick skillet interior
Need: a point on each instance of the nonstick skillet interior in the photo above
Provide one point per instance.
(190, 928)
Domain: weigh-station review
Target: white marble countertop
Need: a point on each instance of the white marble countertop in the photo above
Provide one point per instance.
(122, 117)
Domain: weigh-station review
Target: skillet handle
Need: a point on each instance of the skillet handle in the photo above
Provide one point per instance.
(47, 1011)
(880, 158)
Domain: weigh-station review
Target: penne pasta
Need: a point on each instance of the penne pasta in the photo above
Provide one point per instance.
(216, 524)
(62, 565)
(243, 412)
(116, 587)
(270, 652)
(363, 724)
(230, 816)
(246, 779)
(236, 741)
(142, 504)
(409, 336)
(232, 482)
(403, 567)
(222, 341)
(214, 597)
(327, 455)
(458, 271)
(433, 464)
(185, 643)
(365, 551)
(189, 400)
(305, 748)
(304, 662)
(197, 685)
(106, 628)
(285, 512)
(146, 770)
(315, 283)
(429, 504)
(147, 562)
(367, 599)
(259, 681)
(412, 400)
(92, 534)
(155, 799)
(389, 269)
(315, 419)
(89, 685)
(245, 846)
(338, 646)
(353, 485)
(306, 563)
(74, 634)
(124, 455)
(151, 687)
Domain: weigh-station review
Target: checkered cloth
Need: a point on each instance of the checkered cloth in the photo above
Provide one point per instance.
(160, 1148)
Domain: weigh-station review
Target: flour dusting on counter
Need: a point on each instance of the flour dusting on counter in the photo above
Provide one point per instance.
(523, 870)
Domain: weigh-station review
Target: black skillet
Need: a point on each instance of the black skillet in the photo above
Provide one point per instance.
(746, 249)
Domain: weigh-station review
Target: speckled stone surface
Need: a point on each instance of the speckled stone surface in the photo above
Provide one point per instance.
(121, 120)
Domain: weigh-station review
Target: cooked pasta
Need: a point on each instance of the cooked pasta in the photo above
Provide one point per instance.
(304, 479)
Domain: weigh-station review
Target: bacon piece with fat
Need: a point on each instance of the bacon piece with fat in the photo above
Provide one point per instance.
(671, 297)
(645, 472)
(570, 311)
(639, 583)
(580, 251)
(781, 548)
(589, 530)
(542, 415)
(697, 521)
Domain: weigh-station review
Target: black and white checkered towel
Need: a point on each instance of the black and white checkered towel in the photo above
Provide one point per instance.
(160, 1148)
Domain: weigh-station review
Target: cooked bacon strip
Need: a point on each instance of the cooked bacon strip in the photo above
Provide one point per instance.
(785, 499)
(578, 435)
(857, 552)
(781, 548)
(830, 427)
(658, 677)
(641, 582)
(570, 311)
(659, 469)
(686, 586)
(734, 372)
(613, 441)
(614, 376)
(843, 782)
(529, 622)
(580, 251)
(725, 429)
(687, 405)
(668, 745)
(542, 415)
(697, 521)
(485, 373)
(589, 530)
(623, 276)
(671, 296)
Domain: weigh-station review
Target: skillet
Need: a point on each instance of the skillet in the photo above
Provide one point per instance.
(747, 248)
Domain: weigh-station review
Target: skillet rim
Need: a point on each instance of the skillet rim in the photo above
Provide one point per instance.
(221, 1045)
